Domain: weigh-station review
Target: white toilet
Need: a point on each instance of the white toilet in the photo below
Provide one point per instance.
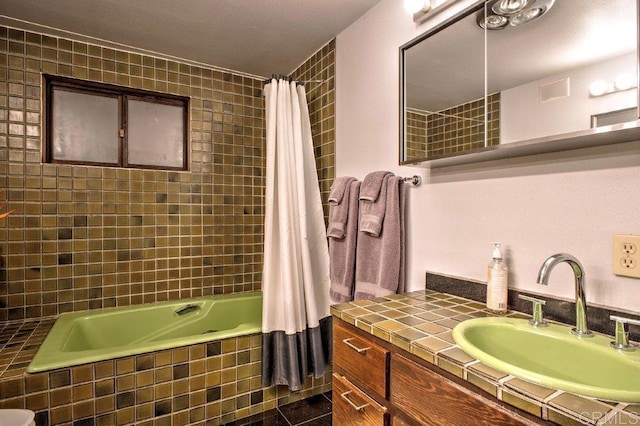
(17, 418)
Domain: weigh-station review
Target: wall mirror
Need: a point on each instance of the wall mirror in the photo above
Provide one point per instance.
(564, 80)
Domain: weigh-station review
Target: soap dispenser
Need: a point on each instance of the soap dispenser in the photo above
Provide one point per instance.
(497, 282)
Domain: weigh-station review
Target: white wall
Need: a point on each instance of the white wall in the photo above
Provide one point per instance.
(521, 111)
(536, 206)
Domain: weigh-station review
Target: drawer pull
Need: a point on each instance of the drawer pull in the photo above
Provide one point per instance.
(343, 395)
(354, 347)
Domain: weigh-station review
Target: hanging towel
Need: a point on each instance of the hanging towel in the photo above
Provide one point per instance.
(372, 185)
(339, 210)
(373, 194)
(380, 258)
(342, 250)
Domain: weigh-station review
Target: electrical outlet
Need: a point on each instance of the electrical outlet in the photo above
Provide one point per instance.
(626, 259)
(628, 248)
(628, 262)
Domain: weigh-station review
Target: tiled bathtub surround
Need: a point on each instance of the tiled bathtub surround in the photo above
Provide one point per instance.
(210, 383)
(93, 237)
(420, 323)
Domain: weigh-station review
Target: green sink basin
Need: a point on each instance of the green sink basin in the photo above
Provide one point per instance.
(552, 356)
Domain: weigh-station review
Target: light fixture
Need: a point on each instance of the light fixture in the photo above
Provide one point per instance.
(598, 88)
(494, 22)
(498, 14)
(415, 6)
(620, 84)
(426, 9)
(624, 82)
(509, 7)
(526, 16)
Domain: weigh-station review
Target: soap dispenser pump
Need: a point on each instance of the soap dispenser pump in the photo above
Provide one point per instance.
(497, 282)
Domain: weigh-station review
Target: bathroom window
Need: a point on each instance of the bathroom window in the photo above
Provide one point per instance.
(99, 124)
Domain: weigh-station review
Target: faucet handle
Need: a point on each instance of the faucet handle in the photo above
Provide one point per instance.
(622, 333)
(537, 320)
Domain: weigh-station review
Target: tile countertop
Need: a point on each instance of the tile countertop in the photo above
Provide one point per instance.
(420, 322)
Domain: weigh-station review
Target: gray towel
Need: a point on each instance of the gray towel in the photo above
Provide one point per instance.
(380, 260)
(342, 252)
(339, 206)
(373, 202)
(372, 184)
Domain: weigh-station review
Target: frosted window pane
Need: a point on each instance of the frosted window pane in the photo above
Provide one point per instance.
(156, 134)
(85, 127)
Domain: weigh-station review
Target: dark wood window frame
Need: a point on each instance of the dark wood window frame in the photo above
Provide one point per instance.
(123, 94)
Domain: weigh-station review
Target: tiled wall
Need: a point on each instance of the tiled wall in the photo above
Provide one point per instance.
(415, 136)
(460, 128)
(92, 237)
(321, 100)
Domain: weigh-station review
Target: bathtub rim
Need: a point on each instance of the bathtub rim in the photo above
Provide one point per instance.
(52, 357)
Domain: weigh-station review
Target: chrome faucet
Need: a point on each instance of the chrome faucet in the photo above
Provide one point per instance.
(581, 329)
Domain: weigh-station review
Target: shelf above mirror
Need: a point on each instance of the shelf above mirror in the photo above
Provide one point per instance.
(601, 136)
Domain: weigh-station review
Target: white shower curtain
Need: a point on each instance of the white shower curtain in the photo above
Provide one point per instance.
(296, 323)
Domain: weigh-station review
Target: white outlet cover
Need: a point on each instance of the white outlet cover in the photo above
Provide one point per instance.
(626, 257)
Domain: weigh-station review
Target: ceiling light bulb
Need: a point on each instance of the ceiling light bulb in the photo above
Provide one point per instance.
(493, 22)
(415, 6)
(509, 7)
(527, 16)
(624, 82)
(598, 88)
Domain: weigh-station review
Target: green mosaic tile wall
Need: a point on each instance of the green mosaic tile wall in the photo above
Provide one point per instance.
(456, 129)
(93, 237)
(415, 136)
(461, 128)
(321, 99)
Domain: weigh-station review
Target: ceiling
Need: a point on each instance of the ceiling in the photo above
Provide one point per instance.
(257, 37)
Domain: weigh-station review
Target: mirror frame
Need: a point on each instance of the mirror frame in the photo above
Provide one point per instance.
(605, 135)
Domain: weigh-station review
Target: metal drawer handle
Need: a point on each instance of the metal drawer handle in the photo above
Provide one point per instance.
(354, 347)
(343, 395)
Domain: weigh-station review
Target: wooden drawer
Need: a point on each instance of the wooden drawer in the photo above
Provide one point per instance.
(363, 362)
(351, 406)
(431, 399)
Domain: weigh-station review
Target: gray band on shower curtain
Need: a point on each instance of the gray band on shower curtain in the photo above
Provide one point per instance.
(288, 359)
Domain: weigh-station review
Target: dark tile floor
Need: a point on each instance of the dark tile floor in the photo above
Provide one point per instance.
(313, 411)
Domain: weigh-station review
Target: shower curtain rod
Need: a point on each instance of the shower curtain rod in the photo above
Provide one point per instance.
(285, 77)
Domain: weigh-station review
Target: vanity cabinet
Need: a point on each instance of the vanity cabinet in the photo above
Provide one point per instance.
(431, 399)
(353, 407)
(360, 379)
(377, 383)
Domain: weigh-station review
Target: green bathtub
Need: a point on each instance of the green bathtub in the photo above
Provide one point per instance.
(90, 336)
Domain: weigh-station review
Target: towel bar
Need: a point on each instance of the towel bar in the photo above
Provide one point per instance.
(415, 180)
